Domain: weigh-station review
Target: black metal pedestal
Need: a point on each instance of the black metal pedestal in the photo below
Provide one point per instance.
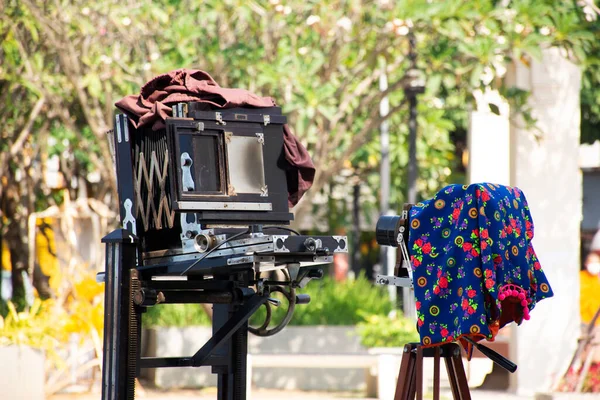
(231, 383)
(226, 351)
(120, 352)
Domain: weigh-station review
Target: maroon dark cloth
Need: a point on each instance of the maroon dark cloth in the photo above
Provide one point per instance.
(153, 105)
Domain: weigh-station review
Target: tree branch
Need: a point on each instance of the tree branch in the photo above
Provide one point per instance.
(361, 138)
(72, 69)
(18, 144)
(361, 88)
(365, 102)
(323, 176)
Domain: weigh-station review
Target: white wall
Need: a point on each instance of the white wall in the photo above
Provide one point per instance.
(546, 168)
(547, 171)
(178, 342)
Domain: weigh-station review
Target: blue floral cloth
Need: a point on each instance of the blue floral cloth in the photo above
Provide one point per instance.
(474, 267)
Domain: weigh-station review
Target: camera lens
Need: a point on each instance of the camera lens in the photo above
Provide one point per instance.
(204, 242)
(386, 231)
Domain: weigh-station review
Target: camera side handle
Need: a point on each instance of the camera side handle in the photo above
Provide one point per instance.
(492, 355)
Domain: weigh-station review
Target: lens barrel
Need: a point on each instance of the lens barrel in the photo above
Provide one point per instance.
(387, 229)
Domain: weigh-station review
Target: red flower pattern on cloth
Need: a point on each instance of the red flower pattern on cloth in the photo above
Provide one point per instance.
(471, 250)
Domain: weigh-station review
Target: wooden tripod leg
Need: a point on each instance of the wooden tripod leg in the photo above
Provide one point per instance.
(451, 378)
(461, 377)
(412, 386)
(419, 373)
(406, 375)
(456, 374)
(436, 374)
(410, 378)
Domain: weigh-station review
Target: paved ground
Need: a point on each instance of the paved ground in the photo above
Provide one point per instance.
(264, 394)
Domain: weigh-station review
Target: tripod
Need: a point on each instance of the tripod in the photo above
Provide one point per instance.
(410, 379)
(393, 231)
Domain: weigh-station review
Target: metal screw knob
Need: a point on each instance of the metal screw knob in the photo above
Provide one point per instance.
(273, 301)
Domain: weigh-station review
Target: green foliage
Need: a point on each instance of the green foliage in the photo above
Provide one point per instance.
(387, 331)
(36, 328)
(320, 60)
(337, 303)
(175, 315)
(590, 97)
(3, 308)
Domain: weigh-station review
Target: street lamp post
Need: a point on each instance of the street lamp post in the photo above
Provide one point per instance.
(387, 254)
(415, 86)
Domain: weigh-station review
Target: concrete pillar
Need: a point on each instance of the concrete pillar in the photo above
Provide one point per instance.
(545, 167)
(489, 140)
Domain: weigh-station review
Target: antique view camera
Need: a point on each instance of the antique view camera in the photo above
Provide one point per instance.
(203, 207)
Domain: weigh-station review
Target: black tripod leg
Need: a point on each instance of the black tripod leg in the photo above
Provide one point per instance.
(121, 320)
(226, 330)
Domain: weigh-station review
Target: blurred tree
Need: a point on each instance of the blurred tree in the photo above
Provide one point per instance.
(321, 60)
(590, 103)
(64, 63)
(590, 94)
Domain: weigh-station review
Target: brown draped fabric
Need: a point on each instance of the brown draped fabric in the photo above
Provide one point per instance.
(153, 105)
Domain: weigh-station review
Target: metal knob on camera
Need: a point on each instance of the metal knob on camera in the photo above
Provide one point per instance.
(203, 242)
(148, 297)
(310, 244)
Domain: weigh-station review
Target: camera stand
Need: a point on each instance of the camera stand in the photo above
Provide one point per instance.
(410, 379)
(202, 204)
